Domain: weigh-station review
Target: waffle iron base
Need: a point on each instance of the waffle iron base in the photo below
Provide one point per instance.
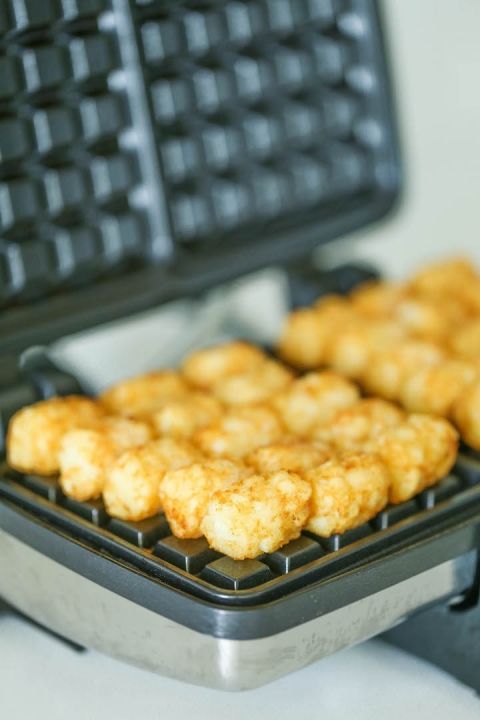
(93, 616)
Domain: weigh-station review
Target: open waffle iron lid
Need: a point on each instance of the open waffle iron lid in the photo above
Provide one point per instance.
(150, 150)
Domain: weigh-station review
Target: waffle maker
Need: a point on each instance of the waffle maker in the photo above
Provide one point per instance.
(149, 151)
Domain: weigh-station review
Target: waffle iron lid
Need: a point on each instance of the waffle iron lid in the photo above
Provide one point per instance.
(151, 150)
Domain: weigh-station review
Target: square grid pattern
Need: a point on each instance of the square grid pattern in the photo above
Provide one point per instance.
(65, 179)
(263, 109)
(151, 542)
(213, 123)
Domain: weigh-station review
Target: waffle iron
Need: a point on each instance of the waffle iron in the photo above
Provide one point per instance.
(149, 151)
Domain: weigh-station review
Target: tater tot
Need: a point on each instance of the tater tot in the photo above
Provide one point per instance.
(84, 459)
(204, 368)
(257, 515)
(350, 348)
(387, 369)
(131, 490)
(303, 340)
(185, 493)
(254, 386)
(296, 457)
(306, 333)
(435, 389)
(125, 432)
(443, 277)
(35, 432)
(182, 417)
(355, 427)
(240, 431)
(417, 453)
(465, 340)
(346, 492)
(139, 396)
(86, 456)
(466, 415)
(468, 295)
(423, 318)
(376, 299)
(313, 399)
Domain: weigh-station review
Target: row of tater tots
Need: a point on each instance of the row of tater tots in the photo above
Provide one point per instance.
(416, 343)
(236, 448)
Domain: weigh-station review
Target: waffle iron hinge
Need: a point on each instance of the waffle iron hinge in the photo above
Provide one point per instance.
(447, 635)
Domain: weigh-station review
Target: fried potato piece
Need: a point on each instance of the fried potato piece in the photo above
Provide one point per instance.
(296, 457)
(204, 368)
(84, 459)
(377, 299)
(423, 318)
(417, 453)
(355, 427)
(303, 339)
(306, 333)
(254, 386)
(350, 348)
(466, 415)
(346, 492)
(435, 389)
(185, 493)
(468, 295)
(35, 432)
(86, 456)
(240, 431)
(182, 417)
(131, 490)
(387, 369)
(256, 515)
(313, 399)
(443, 277)
(465, 341)
(125, 432)
(141, 395)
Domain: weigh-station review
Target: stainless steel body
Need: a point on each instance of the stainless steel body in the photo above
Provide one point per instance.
(93, 616)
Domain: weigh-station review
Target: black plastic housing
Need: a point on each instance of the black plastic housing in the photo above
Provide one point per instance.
(150, 150)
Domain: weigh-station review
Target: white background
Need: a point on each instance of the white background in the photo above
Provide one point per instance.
(435, 53)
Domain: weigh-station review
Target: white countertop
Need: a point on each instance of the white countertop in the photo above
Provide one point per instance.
(44, 679)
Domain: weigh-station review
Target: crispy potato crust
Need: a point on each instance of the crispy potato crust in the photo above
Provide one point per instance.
(417, 453)
(240, 431)
(387, 369)
(86, 456)
(466, 415)
(185, 493)
(182, 417)
(306, 333)
(294, 456)
(141, 395)
(205, 368)
(355, 427)
(346, 492)
(465, 340)
(131, 490)
(350, 348)
(35, 432)
(377, 299)
(435, 389)
(257, 515)
(443, 277)
(257, 385)
(313, 400)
